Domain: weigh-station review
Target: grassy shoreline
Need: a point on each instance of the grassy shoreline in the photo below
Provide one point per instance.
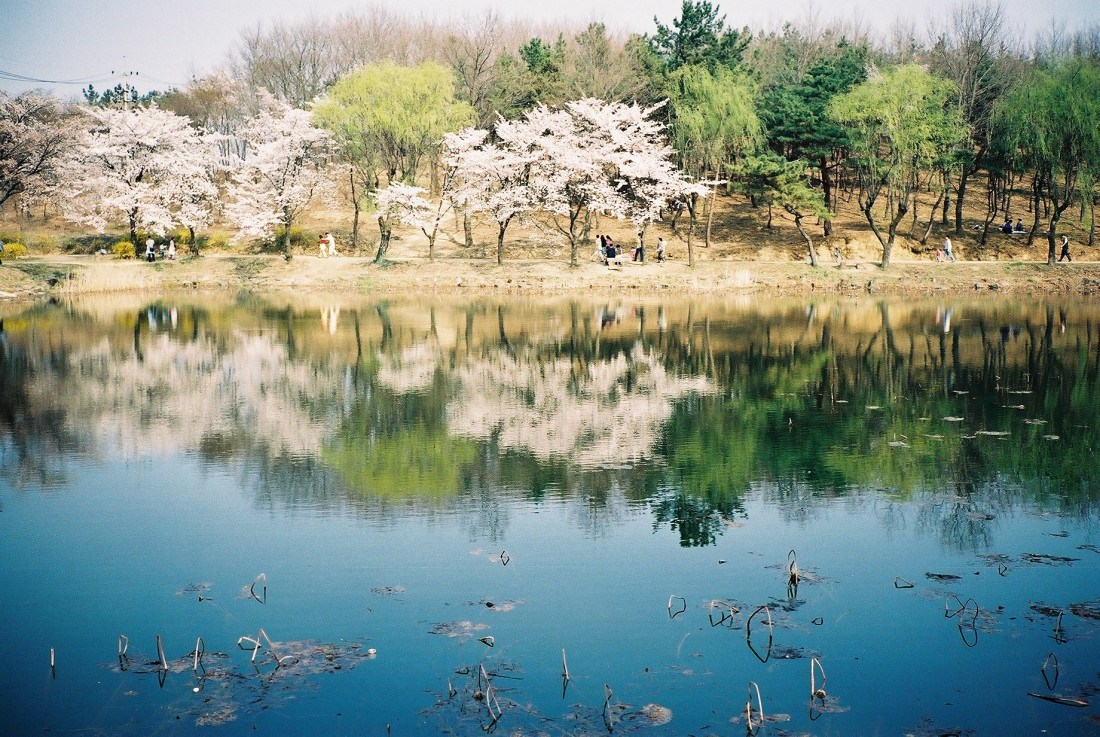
(39, 277)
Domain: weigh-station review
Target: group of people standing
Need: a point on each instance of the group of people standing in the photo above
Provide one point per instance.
(327, 244)
(607, 252)
(166, 251)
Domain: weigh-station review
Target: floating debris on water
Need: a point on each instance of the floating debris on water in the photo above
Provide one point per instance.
(457, 629)
(1062, 700)
(1046, 559)
(387, 590)
(1046, 610)
(655, 714)
(199, 587)
(994, 433)
(951, 418)
(497, 606)
(943, 576)
(1086, 609)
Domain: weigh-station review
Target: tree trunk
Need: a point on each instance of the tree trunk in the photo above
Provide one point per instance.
(1036, 193)
(693, 201)
(468, 230)
(573, 216)
(710, 203)
(133, 227)
(431, 240)
(827, 192)
(893, 231)
(287, 221)
(355, 208)
(943, 196)
(193, 243)
(805, 237)
(384, 231)
(500, 239)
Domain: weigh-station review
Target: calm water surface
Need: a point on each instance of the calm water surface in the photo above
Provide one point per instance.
(453, 503)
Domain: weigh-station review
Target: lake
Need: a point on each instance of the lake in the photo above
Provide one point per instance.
(239, 515)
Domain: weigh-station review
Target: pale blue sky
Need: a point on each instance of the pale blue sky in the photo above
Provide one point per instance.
(101, 41)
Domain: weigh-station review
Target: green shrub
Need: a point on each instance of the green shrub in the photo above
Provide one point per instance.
(124, 250)
(43, 244)
(13, 250)
(299, 238)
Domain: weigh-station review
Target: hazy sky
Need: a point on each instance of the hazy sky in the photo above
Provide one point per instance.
(70, 43)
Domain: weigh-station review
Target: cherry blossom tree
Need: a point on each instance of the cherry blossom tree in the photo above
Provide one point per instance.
(570, 170)
(401, 203)
(646, 176)
(595, 157)
(286, 161)
(487, 179)
(134, 163)
(34, 137)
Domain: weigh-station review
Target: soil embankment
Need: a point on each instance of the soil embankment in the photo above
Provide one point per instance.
(66, 275)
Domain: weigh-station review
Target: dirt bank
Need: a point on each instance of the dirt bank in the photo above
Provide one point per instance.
(65, 275)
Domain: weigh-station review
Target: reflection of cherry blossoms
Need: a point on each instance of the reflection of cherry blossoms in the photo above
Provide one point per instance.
(194, 395)
(611, 412)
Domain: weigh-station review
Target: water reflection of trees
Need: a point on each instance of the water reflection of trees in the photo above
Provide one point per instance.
(685, 410)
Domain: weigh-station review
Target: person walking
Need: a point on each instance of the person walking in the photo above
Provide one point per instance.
(1065, 250)
(947, 252)
(331, 244)
(1, 252)
(661, 245)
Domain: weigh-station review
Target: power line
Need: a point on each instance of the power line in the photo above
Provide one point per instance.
(103, 77)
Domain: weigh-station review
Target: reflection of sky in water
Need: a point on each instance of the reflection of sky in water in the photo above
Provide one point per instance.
(199, 463)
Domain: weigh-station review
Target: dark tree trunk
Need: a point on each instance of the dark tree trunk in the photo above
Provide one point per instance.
(827, 192)
(384, 232)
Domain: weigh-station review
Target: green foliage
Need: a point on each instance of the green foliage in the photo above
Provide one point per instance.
(902, 123)
(219, 240)
(388, 118)
(1053, 123)
(299, 238)
(713, 116)
(768, 177)
(796, 115)
(123, 250)
(121, 94)
(699, 37)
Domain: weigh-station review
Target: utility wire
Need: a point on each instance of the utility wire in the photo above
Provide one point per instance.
(104, 77)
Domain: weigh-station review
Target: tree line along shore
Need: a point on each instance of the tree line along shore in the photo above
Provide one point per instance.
(815, 142)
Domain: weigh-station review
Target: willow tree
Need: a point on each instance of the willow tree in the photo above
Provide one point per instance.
(387, 119)
(902, 123)
(714, 121)
(1053, 121)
